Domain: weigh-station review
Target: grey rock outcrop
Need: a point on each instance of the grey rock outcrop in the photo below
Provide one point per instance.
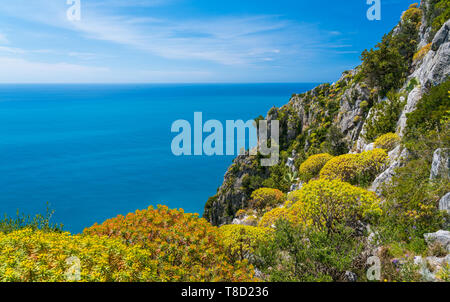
(441, 164)
(441, 36)
(413, 99)
(441, 237)
(435, 66)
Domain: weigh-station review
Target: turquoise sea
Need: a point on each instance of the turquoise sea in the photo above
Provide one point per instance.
(96, 151)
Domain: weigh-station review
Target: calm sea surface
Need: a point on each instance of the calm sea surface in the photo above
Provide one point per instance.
(96, 151)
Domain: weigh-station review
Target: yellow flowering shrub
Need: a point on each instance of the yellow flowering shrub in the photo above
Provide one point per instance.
(37, 256)
(419, 55)
(266, 197)
(241, 240)
(371, 163)
(413, 14)
(387, 141)
(184, 246)
(326, 203)
(356, 168)
(344, 167)
(312, 166)
(270, 218)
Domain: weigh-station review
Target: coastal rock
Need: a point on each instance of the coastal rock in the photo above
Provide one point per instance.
(441, 164)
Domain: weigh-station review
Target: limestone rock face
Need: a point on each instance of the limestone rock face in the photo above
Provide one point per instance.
(396, 156)
(441, 164)
(441, 36)
(435, 66)
(444, 203)
(231, 196)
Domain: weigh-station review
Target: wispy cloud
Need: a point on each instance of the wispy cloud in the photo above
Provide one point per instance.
(112, 28)
(225, 40)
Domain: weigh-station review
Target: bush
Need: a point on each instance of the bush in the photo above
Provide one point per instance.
(359, 169)
(270, 218)
(240, 240)
(421, 53)
(413, 14)
(389, 77)
(185, 247)
(37, 256)
(440, 12)
(296, 254)
(386, 66)
(324, 204)
(387, 141)
(430, 111)
(384, 117)
(277, 178)
(265, 197)
(312, 166)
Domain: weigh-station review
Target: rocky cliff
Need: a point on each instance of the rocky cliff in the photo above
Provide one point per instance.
(338, 118)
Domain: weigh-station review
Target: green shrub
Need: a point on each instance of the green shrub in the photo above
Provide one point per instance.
(384, 117)
(277, 178)
(37, 222)
(297, 254)
(265, 198)
(240, 241)
(323, 204)
(386, 67)
(430, 111)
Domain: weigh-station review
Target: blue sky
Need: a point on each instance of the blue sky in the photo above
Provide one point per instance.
(189, 41)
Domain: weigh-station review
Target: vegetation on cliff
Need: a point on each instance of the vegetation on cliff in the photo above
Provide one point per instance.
(318, 225)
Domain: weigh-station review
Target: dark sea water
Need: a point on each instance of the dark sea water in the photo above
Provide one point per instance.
(96, 151)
